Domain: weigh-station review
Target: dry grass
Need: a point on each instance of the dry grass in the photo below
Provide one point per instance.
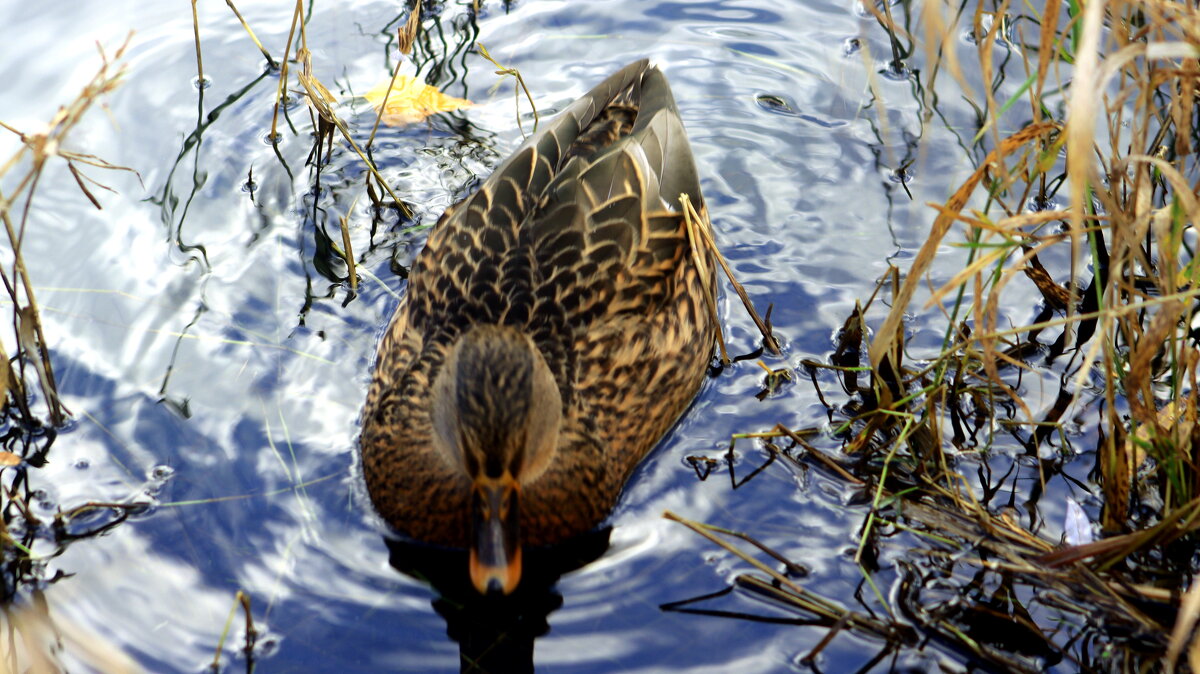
(1119, 290)
(32, 637)
(16, 202)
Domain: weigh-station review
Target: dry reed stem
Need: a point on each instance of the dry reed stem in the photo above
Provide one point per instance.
(694, 225)
(699, 229)
(33, 347)
(1138, 381)
(940, 42)
(348, 252)
(387, 94)
(405, 37)
(199, 55)
(250, 31)
(985, 48)
(1046, 52)
(1080, 131)
(282, 88)
(781, 431)
(887, 336)
(505, 70)
(240, 599)
(321, 102)
(801, 597)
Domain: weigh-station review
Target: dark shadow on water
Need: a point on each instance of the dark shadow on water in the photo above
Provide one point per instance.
(496, 634)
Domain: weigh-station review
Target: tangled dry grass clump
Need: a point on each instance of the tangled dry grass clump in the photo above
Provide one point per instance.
(1087, 188)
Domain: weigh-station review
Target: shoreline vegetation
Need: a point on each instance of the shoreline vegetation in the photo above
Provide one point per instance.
(1086, 188)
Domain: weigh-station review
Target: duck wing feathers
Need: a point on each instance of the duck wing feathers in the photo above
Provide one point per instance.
(578, 241)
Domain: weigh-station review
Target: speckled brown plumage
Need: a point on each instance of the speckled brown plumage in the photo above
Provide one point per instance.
(577, 242)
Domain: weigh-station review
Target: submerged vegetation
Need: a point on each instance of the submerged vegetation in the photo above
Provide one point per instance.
(972, 459)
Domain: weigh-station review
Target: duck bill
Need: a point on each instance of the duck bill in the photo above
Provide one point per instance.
(496, 545)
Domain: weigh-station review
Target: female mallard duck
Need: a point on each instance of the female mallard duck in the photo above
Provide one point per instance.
(556, 324)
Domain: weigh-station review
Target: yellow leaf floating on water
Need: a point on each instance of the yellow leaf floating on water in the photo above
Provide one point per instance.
(9, 459)
(411, 101)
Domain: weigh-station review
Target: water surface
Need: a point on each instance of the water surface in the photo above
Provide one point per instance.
(215, 362)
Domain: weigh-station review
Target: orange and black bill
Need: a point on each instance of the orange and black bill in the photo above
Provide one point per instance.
(496, 542)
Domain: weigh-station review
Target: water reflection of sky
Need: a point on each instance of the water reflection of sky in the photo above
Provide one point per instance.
(212, 345)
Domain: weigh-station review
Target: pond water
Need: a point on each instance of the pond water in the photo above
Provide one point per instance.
(215, 361)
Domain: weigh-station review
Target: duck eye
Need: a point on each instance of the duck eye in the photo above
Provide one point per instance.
(493, 466)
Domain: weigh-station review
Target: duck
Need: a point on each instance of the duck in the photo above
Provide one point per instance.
(556, 324)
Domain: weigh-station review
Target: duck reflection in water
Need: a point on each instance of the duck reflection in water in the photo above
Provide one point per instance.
(496, 633)
(557, 323)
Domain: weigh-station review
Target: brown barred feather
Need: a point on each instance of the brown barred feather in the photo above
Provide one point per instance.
(577, 242)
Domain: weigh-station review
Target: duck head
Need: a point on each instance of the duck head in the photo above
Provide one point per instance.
(496, 413)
